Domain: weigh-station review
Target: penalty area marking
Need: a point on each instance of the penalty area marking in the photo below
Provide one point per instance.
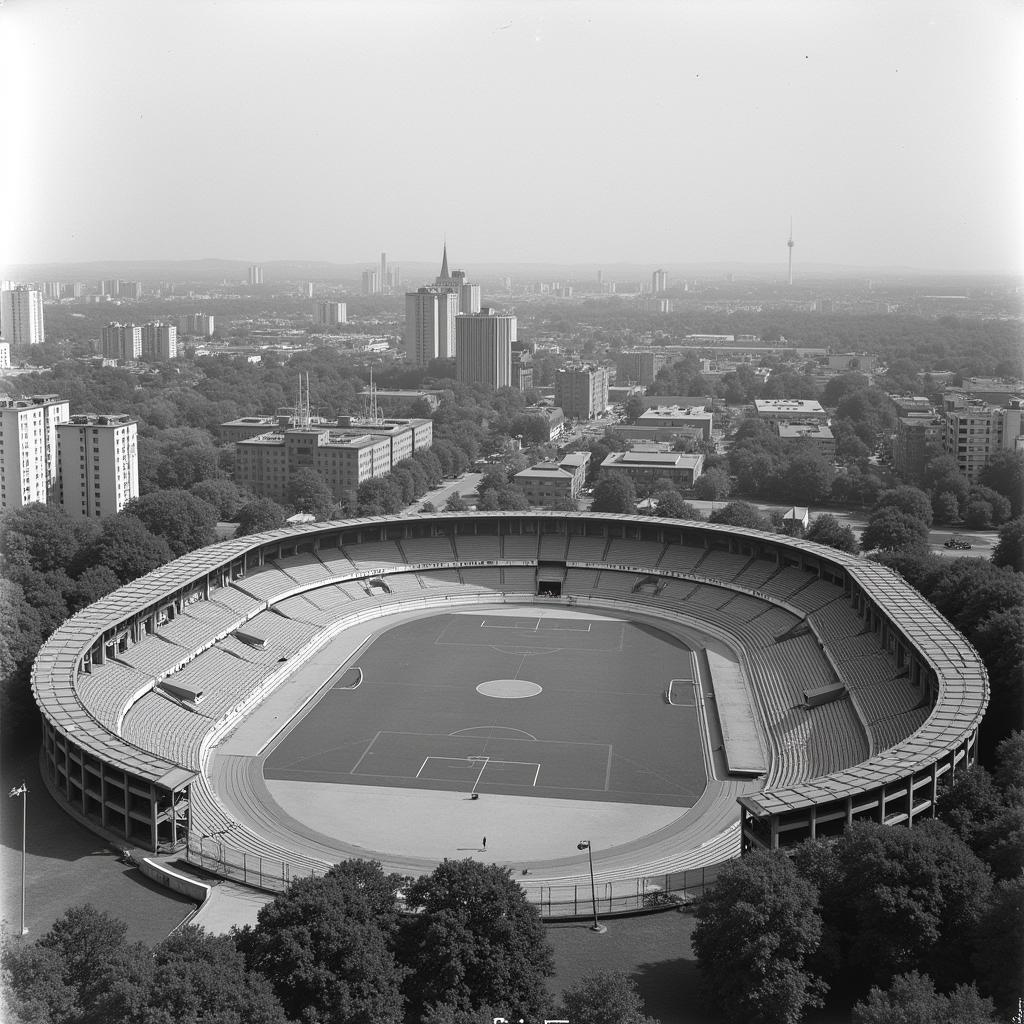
(473, 760)
(678, 703)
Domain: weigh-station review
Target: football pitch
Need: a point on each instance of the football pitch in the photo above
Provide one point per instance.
(520, 704)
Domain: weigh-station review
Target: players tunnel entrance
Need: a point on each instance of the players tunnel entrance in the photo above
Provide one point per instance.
(550, 577)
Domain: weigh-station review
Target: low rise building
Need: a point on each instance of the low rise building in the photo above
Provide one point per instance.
(548, 484)
(790, 410)
(695, 418)
(644, 467)
(816, 433)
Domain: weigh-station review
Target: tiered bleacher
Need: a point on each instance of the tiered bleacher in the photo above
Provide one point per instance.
(235, 599)
(722, 565)
(756, 571)
(304, 568)
(265, 582)
(162, 725)
(109, 689)
(374, 556)
(553, 547)
(628, 552)
(482, 548)
(428, 549)
(591, 549)
(519, 546)
(680, 557)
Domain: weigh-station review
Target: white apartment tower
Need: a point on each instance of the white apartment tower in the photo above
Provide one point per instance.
(98, 465)
(430, 325)
(483, 348)
(255, 276)
(21, 317)
(122, 341)
(28, 449)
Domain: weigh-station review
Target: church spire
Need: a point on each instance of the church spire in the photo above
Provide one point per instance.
(444, 261)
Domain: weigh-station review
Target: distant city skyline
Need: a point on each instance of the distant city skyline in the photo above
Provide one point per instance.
(651, 133)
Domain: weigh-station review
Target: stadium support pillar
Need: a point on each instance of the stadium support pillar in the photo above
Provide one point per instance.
(813, 821)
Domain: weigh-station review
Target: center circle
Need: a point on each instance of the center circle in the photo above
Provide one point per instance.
(509, 689)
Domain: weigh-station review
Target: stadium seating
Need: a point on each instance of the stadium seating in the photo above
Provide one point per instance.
(815, 595)
(680, 558)
(836, 621)
(428, 549)
(304, 568)
(519, 546)
(372, 556)
(755, 572)
(235, 599)
(484, 576)
(590, 549)
(722, 565)
(785, 582)
(519, 580)
(163, 726)
(109, 688)
(153, 656)
(482, 548)
(553, 547)
(335, 560)
(266, 582)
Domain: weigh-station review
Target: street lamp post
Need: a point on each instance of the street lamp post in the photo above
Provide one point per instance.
(22, 791)
(596, 926)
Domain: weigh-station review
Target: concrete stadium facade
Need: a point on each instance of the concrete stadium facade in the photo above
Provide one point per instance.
(137, 690)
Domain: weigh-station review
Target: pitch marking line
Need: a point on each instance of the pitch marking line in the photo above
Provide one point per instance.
(536, 627)
(478, 759)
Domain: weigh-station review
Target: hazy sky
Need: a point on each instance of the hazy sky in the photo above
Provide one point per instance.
(643, 131)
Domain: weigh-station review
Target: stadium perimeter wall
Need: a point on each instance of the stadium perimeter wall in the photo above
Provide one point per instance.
(128, 791)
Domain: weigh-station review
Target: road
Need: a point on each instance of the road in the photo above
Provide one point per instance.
(465, 486)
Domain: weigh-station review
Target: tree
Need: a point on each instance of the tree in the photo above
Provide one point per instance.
(308, 492)
(325, 945)
(892, 530)
(999, 944)
(903, 899)
(191, 976)
(912, 999)
(33, 983)
(475, 942)
(1004, 473)
(608, 997)
(224, 495)
(1009, 551)
(741, 513)
(945, 507)
(806, 478)
(40, 538)
(379, 496)
(126, 547)
(712, 485)
(826, 529)
(756, 931)
(183, 520)
(93, 583)
(455, 503)
(909, 500)
(669, 504)
(614, 492)
(259, 515)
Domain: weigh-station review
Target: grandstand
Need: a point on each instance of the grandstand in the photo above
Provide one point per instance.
(861, 695)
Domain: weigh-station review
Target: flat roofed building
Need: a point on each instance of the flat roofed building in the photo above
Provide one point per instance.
(98, 465)
(28, 449)
(581, 392)
(790, 410)
(816, 433)
(917, 440)
(330, 313)
(483, 347)
(197, 324)
(430, 325)
(694, 417)
(638, 366)
(122, 341)
(5, 355)
(402, 400)
(159, 341)
(21, 317)
(266, 464)
(974, 430)
(644, 467)
(548, 484)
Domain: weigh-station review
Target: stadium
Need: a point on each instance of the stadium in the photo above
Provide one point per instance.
(402, 687)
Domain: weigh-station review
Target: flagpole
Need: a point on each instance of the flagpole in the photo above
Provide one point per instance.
(22, 791)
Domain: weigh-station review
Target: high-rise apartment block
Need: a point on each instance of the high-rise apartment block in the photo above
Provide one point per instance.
(638, 366)
(159, 341)
(483, 348)
(98, 465)
(130, 289)
(330, 313)
(918, 439)
(371, 282)
(430, 325)
(21, 317)
(975, 429)
(469, 298)
(122, 341)
(196, 324)
(5, 355)
(659, 282)
(455, 281)
(255, 276)
(582, 391)
(28, 449)
(522, 367)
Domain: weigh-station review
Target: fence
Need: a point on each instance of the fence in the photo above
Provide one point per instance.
(621, 896)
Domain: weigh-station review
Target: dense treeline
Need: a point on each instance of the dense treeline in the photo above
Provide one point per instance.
(879, 906)
(330, 950)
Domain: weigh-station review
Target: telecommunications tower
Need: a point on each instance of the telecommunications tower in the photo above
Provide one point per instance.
(790, 243)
